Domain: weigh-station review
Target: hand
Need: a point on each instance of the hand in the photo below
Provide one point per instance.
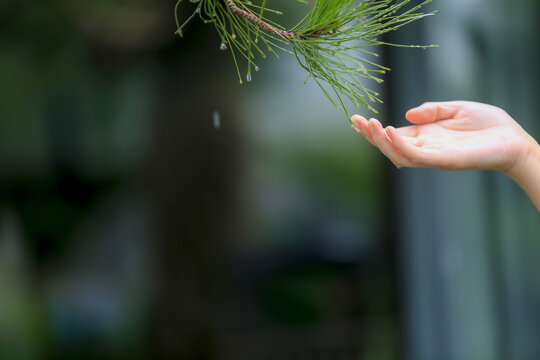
(458, 136)
(451, 136)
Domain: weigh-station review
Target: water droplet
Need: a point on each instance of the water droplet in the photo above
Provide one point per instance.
(198, 10)
(257, 68)
(248, 78)
(217, 120)
(256, 40)
(223, 47)
(233, 36)
(179, 32)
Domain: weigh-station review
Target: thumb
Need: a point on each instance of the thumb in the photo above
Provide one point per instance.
(431, 112)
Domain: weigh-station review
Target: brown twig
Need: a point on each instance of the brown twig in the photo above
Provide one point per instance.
(287, 35)
(284, 34)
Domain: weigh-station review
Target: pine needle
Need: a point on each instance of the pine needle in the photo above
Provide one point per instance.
(329, 42)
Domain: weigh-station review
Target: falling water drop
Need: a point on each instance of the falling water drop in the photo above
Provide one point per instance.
(248, 78)
(223, 47)
(217, 120)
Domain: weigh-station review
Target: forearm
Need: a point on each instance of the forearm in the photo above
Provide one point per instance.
(527, 175)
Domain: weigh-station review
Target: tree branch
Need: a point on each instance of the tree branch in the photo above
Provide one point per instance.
(329, 42)
(284, 34)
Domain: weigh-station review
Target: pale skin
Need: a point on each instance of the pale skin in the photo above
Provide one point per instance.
(460, 135)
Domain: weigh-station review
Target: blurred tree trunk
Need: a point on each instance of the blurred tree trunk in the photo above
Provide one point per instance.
(192, 173)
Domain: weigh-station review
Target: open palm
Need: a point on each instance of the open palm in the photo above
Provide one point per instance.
(451, 136)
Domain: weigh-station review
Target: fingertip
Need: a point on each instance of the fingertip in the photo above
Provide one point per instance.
(379, 130)
(356, 123)
(374, 123)
(391, 131)
(410, 111)
(357, 120)
(413, 154)
(394, 136)
(433, 111)
(416, 115)
(372, 126)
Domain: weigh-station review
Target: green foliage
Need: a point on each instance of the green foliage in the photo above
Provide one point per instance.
(331, 42)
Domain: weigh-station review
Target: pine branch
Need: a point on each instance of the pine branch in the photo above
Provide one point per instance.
(331, 42)
(285, 34)
(257, 21)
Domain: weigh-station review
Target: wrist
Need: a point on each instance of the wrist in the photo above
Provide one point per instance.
(529, 161)
(527, 172)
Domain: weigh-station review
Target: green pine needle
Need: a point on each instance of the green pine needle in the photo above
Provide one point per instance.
(331, 42)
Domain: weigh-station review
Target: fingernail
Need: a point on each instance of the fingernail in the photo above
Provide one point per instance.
(356, 128)
(386, 134)
(390, 132)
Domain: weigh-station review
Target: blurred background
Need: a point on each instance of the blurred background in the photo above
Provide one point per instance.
(153, 208)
